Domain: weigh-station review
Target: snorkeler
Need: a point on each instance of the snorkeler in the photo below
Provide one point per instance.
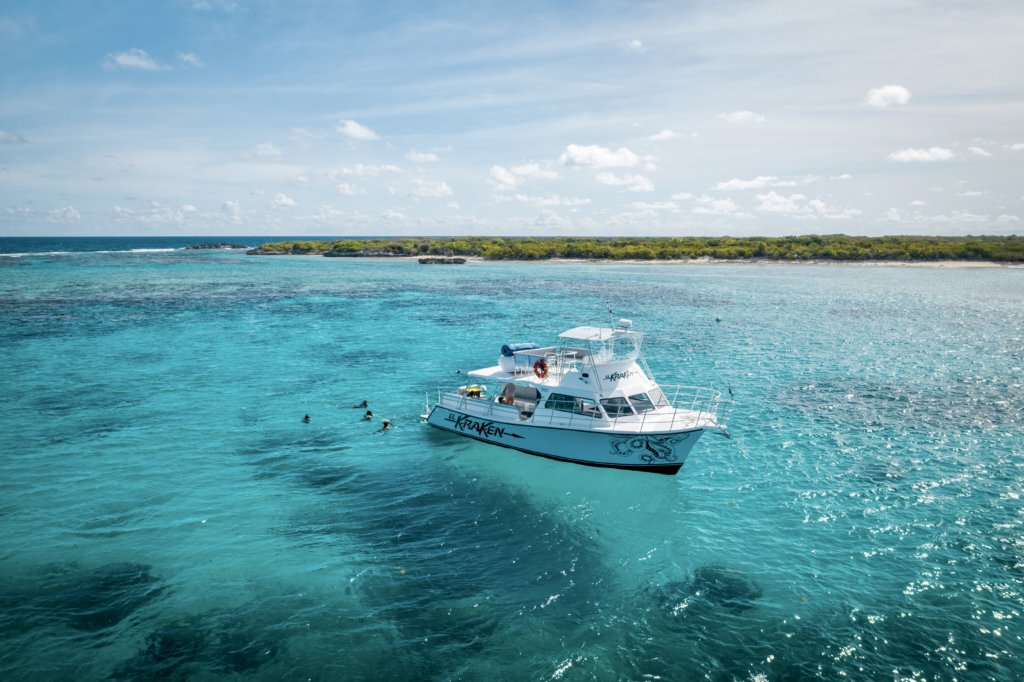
(306, 419)
(362, 404)
(368, 415)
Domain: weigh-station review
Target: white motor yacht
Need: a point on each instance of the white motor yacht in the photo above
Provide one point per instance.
(591, 399)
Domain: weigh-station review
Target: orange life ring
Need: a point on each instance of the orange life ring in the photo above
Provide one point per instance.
(540, 368)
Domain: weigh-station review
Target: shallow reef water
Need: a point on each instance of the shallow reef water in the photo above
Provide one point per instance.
(88, 599)
(167, 513)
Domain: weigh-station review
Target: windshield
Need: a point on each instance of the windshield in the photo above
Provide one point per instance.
(617, 349)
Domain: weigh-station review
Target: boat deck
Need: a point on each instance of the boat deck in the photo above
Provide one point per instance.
(666, 419)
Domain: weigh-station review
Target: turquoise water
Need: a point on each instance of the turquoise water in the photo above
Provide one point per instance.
(166, 513)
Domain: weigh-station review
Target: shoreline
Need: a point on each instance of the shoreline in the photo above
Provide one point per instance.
(692, 261)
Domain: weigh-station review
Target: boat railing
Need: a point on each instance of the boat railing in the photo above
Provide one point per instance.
(678, 407)
(704, 405)
(560, 361)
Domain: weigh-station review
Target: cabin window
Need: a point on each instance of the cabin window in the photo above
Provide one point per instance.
(571, 403)
(642, 402)
(658, 398)
(616, 407)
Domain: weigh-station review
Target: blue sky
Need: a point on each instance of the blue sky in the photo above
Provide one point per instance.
(569, 118)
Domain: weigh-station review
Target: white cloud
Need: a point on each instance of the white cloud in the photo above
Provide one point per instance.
(682, 196)
(301, 135)
(267, 150)
(553, 200)
(1017, 146)
(282, 201)
(760, 182)
(65, 215)
(595, 156)
(361, 170)
(328, 214)
(533, 170)
(955, 218)
(11, 138)
(893, 215)
(433, 190)
(355, 130)
(819, 209)
(972, 193)
(232, 210)
(655, 205)
(799, 206)
(392, 216)
(634, 183)
(742, 117)
(510, 178)
(844, 176)
(776, 203)
(918, 202)
(930, 154)
(551, 220)
(711, 206)
(154, 214)
(190, 59)
(132, 59)
(887, 95)
(421, 157)
(665, 134)
(503, 178)
(347, 189)
(978, 151)
(635, 45)
(300, 181)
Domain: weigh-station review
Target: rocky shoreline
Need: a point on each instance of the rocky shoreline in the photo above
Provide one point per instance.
(217, 245)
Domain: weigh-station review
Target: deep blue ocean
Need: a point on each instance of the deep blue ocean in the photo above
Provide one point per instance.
(165, 512)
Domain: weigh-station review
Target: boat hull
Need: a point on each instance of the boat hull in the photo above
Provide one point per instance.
(662, 453)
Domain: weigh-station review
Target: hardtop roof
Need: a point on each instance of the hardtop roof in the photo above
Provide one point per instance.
(587, 333)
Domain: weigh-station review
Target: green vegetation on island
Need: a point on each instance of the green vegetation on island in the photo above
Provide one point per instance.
(840, 247)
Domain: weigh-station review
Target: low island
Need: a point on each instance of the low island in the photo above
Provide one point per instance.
(217, 245)
(814, 248)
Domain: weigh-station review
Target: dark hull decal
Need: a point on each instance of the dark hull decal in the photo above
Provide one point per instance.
(465, 423)
(667, 469)
(648, 448)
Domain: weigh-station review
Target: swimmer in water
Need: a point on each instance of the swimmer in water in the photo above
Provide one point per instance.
(387, 425)
(362, 404)
(306, 419)
(368, 416)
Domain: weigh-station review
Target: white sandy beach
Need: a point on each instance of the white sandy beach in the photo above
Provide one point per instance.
(711, 261)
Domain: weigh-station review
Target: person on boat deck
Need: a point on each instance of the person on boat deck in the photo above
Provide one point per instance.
(387, 425)
(473, 391)
(362, 404)
(368, 415)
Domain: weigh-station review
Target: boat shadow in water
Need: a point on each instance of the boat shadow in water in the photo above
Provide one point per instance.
(450, 560)
(232, 642)
(86, 599)
(708, 592)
